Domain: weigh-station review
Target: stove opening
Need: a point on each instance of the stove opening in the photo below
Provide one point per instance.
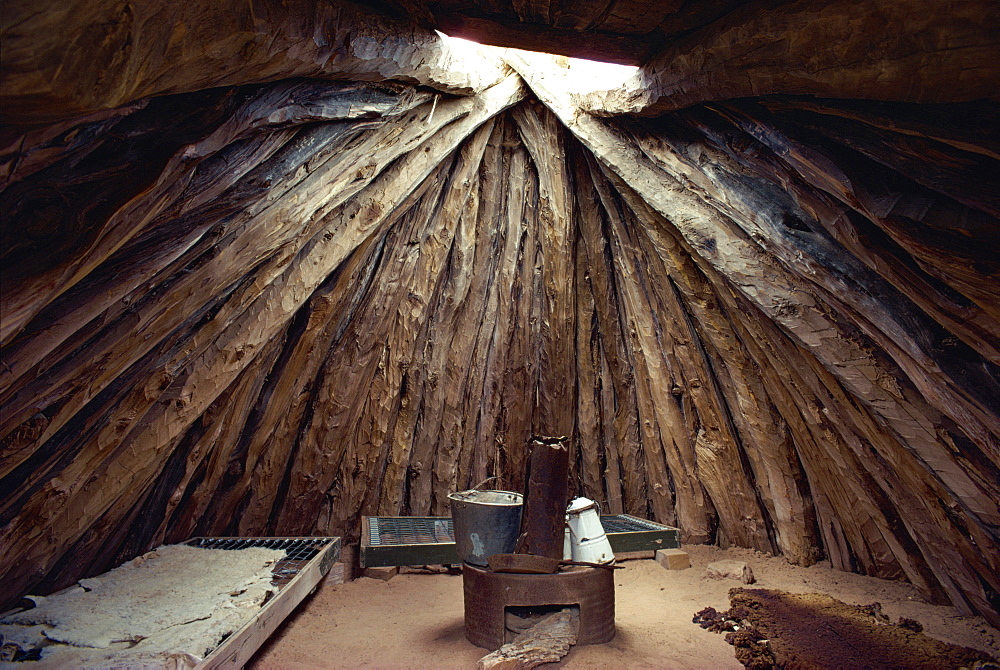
(519, 618)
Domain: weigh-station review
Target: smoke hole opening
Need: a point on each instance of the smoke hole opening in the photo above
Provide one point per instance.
(580, 75)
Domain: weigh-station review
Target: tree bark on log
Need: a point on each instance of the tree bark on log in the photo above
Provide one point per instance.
(273, 309)
(148, 49)
(888, 378)
(798, 48)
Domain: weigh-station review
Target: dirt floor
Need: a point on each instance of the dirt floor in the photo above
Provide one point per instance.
(415, 620)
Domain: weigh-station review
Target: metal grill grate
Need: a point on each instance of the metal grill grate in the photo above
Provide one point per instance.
(410, 530)
(298, 551)
(426, 540)
(623, 523)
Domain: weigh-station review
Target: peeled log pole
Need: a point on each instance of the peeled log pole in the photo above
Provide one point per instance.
(553, 280)
(845, 329)
(146, 49)
(426, 284)
(777, 475)
(625, 475)
(192, 380)
(668, 444)
(545, 498)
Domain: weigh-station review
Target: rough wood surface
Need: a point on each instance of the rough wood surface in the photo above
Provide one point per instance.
(134, 51)
(277, 308)
(866, 349)
(545, 642)
(878, 50)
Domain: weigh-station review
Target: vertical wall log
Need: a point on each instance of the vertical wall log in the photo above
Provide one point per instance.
(554, 400)
(771, 322)
(668, 445)
(625, 475)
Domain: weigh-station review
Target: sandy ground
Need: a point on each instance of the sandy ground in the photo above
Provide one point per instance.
(415, 620)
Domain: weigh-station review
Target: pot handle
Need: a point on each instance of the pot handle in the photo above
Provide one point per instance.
(477, 486)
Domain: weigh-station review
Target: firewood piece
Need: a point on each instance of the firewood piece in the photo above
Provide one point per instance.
(546, 642)
(546, 494)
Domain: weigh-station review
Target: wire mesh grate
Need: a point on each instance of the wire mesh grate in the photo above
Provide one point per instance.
(623, 523)
(429, 540)
(298, 551)
(395, 531)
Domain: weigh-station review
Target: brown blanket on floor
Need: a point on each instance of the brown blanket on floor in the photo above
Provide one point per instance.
(774, 629)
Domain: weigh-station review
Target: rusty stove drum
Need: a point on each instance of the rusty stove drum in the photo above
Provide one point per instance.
(488, 594)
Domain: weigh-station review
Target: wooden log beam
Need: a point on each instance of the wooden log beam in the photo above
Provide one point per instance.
(232, 341)
(357, 359)
(914, 429)
(777, 474)
(295, 385)
(144, 49)
(152, 315)
(823, 49)
(542, 135)
(510, 165)
(625, 475)
(414, 353)
(169, 167)
(947, 278)
(859, 527)
(734, 253)
(252, 242)
(668, 447)
(589, 421)
(470, 276)
(949, 388)
(518, 370)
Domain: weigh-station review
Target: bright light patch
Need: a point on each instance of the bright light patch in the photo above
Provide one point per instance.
(579, 76)
(590, 75)
(460, 47)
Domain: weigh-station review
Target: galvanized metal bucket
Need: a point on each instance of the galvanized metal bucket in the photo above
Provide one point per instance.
(486, 523)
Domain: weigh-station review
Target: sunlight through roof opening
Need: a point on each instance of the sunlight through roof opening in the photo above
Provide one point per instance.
(581, 75)
(584, 76)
